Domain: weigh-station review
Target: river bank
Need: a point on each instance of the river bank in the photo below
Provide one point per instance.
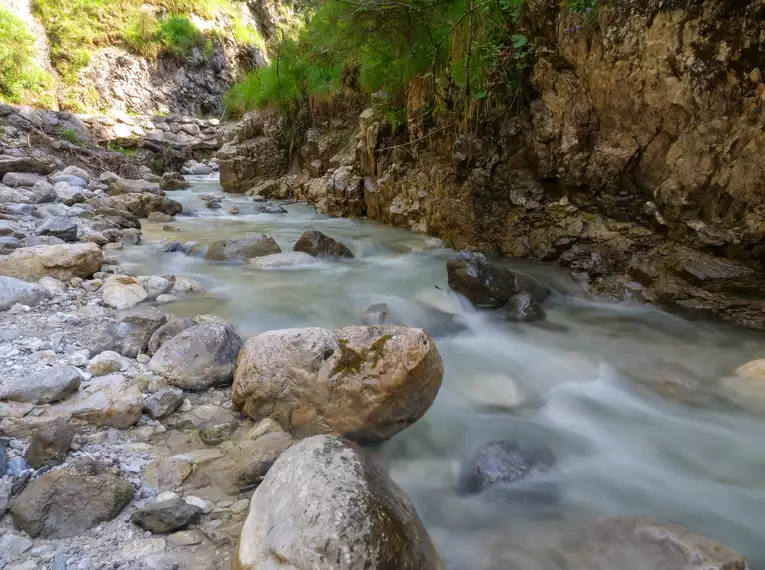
(628, 403)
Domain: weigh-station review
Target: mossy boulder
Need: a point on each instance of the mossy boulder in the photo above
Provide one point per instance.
(365, 383)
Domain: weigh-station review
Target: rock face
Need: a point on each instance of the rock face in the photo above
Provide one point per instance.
(199, 357)
(319, 245)
(167, 516)
(242, 248)
(67, 502)
(326, 500)
(365, 383)
(14, 291)
(58, 261)
(254, 153)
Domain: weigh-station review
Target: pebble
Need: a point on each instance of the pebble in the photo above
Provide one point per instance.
(144, 358)
(19, 308)
(240, 506)
(167, 496)
(59, 562)
(16, 466)
(205, 506)
(185, 538)
(185, 406)
(79, 358)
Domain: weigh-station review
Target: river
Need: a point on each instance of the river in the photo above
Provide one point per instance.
(623, 446)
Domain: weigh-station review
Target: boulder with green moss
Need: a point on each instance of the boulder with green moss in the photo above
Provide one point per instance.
(364, 383)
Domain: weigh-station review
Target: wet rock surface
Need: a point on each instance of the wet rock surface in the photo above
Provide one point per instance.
(319, 245)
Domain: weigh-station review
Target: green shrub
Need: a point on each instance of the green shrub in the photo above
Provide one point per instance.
(388, 43)
(178, 35)
(21, 80)
(70, 135)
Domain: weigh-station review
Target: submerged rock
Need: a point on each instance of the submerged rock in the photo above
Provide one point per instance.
(523, 308)
(638, 543)
(279, 260)
(326, 500)
(243, 248)
(319, 245)
(366, 383)
(484, 284)
(503, 462)
(67, 502)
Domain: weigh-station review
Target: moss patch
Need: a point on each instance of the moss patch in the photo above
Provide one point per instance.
(352, 361)
(349, 361)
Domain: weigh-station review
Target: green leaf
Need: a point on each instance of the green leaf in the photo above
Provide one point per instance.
(480, 95)
(519, 40)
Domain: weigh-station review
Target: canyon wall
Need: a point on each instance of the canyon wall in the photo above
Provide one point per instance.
(636, 160)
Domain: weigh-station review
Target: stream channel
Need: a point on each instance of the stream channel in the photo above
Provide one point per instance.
(596, 382)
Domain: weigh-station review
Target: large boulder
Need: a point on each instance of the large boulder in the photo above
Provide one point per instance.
(26, 179)
(14, 291)
(106, 401)
(243, 248)
(67, 502)
(319, 245)
(59, 261)
(125, 186)
(122, 292)
(141, 205)
(43, 386)
(326, 504)
(365, 383)
(173, 181)
(199, 357)
(484, 284)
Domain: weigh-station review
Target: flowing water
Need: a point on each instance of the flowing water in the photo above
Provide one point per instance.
(595, 383)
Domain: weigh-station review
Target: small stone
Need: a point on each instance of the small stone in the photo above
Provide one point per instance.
(16, 466)
(165, 299)
(185, 405)
(166, 496)
(240, 506)
(79, 358)
(163, 403)
(12, 546)
(167, 516)
(143, 358)
(204, 506)
(106, 363)
(186, 538)
(59, 562)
